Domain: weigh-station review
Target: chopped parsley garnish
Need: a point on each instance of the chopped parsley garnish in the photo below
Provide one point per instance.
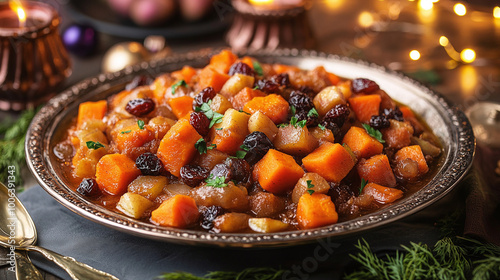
(293, 110)
(240, 154)
(217, 182)
(322, 127)
(178, 84)
(294, 121)
(256, 87)
(375, 133)
(309, 187)
(241, 111)
(313, 113)
(94, 145)
(201, 146)
(214, 117)
(140, 123)
(363, 184)
(257, 68)
(125, 131)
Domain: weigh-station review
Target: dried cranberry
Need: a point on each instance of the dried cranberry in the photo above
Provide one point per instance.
(204, 96)
(268, 86)
(258, 145)
(222, 170)
(88, 187)
(394, 114)
(149, 164)
(362, 85)
(140, 107)
(200, 122)
(192, 175)
(300, 101)
(337, 115)
(139, 81)
(241, 68)
(240, 169)
(379, 122)
(208, 215)
(282, 79)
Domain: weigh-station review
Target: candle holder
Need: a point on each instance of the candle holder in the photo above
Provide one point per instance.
(33, 60)
(257, 27)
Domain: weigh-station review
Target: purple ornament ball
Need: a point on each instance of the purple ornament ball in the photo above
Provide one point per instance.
(80, 39)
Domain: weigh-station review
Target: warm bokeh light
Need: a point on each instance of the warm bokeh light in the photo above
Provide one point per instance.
(16, 6)
(496, 12)
(415, 55)
(334, 4)
(443, 41)
(365, 19)
(426, 4)
(261, 2)
(468, 55)
(460, 9)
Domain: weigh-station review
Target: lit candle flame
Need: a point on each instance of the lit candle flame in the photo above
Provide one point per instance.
(17, 7)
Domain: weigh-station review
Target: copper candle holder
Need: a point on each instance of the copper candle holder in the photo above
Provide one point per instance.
(257, 27)
(33, 60)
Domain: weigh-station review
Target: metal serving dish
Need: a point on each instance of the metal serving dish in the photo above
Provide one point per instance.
(447, 122)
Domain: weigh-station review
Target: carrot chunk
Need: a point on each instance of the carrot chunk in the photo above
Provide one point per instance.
(181, 105)
(248, 61)
(377, 170)
(210, 77)
(223, 61)
(315, 210)
(407, 112)
(361, 143)
(177, 146)
(332, 161)
(114, 172)
(133, 136)
(179, 211)
(186, 73)
(282, 68)
(415, 153)
(381, 194)
(273, 106)
(277, 172)
(365, 106)
(334, 79)
(91, 111)
(245, 95)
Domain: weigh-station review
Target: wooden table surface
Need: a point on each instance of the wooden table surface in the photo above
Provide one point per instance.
(383, 32)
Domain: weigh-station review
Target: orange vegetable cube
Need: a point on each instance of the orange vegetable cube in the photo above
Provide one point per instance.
(273, 106)
(133, 136)
(179, 211)
(365, 106)
(232, 131)
(177, 146)
(334, 79)
(245, 95)
(282, 68)
(381, 194)
(361, 143)
(248, 61)
(181, 105)
(114, 172)
(415, 153)
(186, 73)
(295, 140)
(407, 112)
(223, 61)
(277, 172)
(91, 111)
(332, 161)
(160, 86)
(377, 170)
(316, 210)
(210, 77)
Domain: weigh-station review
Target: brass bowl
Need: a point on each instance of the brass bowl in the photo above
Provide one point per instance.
(448, 123)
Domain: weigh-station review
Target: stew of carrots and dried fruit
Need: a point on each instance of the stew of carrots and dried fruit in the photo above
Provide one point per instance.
(243, 146)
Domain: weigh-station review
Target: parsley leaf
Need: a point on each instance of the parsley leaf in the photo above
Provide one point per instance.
(245, 147)
(374, 133)
(313, 113)
(201, 146)
(309, 187)
(293, 110)
(322, 127)
(178, 84)
(240, 154)
(214, 117)
(256, 87)
(94, 145)
(217, 182)
(241, 111)
(258, 68)
(302, 123)
(125, 131)
(363, 184)
(282, 125)
(140, 123)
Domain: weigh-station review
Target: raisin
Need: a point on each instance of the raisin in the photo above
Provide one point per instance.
(240, 169)
(204, 96)
(88, 187)
(200, 122)
(281, 79)
(307, 91)
(222, 170)
(268, 86)
(394, 114)
(362, 85)
(311, 120)
(241, 68)
(300, 101)
(337, 115)
(139, 81)
(258, 145)
(379, 122)
(208, 215)
(140, 107)
(192, 175)
(149, 164)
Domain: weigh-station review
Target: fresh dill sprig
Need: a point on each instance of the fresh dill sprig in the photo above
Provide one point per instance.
(261, 273)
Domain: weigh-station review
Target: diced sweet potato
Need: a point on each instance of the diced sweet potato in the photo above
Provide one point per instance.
(295, 140)
(130, 135)
(381, 194)
(316, 183)
(328, 98)
(407, 112)
(398, 135)
(186, 73)
(248, 61)
(210, 77)
(181, 106)
(260, 122)
(345, 88)
(235, 84)
(266, 225)
(315, 210)
(365, 106)
(114, 172)
(245, 95)
(231, 222)
(231, 197)
(91, 111)
(282, 68)
(148, 186)
(361, 143)
(223, 61)
(179, 211)
(332, 161)
(160, 86)
(377, 170)
(334, 79)
(323, 135)
(277, 172)
(415, 153)
(273, 106)
(232, 131)
(177, 147)
(133, 205)
(264, 204)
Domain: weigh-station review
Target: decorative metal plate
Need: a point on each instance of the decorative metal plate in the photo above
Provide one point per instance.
(447, 122)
